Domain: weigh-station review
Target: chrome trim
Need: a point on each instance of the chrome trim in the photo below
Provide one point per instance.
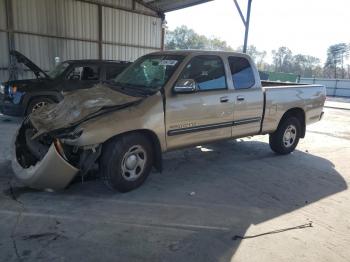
(182, 131)
(246, 121)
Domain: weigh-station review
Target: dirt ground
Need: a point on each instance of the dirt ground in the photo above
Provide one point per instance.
(288, 208)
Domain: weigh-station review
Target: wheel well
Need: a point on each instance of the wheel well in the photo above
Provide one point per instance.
(158, 160)
(300, 115)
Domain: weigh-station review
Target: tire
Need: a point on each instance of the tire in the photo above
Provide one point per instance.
(36, 103)
(119, 171)
(285, 139)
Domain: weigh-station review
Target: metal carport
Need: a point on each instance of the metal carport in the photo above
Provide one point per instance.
(76, 29)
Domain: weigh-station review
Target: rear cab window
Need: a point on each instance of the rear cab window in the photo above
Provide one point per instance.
(208, 71)
(242, 72)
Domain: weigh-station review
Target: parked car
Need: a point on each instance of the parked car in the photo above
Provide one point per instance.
(163, 101)
(21, 97)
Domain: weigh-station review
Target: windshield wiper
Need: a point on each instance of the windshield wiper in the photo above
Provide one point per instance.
(128, 89)
(128, 85)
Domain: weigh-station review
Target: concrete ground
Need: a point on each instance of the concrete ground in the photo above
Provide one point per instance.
(288, 208)
(338, 102)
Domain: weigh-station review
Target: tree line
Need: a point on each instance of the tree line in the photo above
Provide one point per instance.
(283, 59)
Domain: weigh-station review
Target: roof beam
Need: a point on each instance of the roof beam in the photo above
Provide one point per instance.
(172, 5)
(246, 21)
(240, 12)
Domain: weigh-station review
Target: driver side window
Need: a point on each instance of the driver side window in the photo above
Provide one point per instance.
(207, 71)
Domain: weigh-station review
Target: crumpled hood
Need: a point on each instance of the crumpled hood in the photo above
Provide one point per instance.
(77, 106)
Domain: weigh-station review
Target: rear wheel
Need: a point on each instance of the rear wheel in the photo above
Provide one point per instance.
(285, 139)
(36, 103)
(126, 162)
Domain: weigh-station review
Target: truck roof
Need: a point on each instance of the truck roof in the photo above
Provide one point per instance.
(202, 52)
(97, 61)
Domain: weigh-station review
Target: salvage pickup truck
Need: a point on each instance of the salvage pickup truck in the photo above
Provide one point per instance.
(163, 101)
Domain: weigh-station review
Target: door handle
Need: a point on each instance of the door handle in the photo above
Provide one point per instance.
(224, 99)
(240, 98)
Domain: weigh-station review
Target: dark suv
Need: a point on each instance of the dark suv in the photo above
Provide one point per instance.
(21, 97)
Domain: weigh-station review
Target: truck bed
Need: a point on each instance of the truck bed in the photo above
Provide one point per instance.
(280, 97)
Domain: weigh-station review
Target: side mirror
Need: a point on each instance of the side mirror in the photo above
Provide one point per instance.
(185, 86)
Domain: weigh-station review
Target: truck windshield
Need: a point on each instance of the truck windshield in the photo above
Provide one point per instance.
(58, 70)
(150, 72)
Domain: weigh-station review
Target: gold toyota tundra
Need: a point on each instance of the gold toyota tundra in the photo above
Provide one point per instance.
(163, 101)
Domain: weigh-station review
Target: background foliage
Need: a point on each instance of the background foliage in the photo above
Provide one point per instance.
(283, 59)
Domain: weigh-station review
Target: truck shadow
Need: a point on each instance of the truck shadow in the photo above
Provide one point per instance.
(234, 184)
(210, 195)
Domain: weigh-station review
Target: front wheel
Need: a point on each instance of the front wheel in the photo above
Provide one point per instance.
(285, 139)
(126, 161)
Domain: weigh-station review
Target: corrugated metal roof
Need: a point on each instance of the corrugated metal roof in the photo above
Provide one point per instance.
(56, 17)
(43, 50)
(2, 15)
(131, 29)
(4, 59)
(126, 53)
(172, 5)
(121, 3)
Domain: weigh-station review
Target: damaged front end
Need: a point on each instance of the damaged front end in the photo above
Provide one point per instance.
(44, 156)
(45, 162)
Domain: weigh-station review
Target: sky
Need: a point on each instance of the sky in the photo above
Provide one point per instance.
(306, 27)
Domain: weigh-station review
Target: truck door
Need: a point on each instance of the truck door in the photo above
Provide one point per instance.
(205, 114)
(248, 98)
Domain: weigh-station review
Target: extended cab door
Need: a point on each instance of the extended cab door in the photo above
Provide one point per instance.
(248, 97)
(206, 114)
